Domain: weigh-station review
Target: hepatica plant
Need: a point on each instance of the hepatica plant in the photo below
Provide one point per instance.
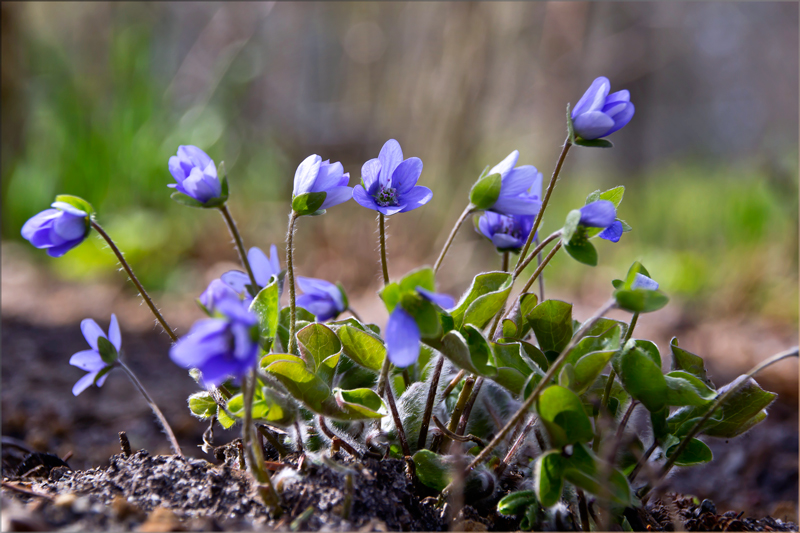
(466, 390)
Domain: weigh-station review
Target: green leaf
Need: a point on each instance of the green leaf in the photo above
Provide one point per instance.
(356, 404)
(548, 477)
(480, 352)
(425, 314)
(641, 377)
(486, 191)
(455, 348)
(640, 300)
(561, 411)
(222, 417)
(432, 470)
(301, 383)
(691, 363)
(186, 200)
(649, 348)
(317, 343)
(308, 203)
(266, 308)
(594, 143)
(695, 453)
(512, 379)
(516, 502)
(303, 319)
(513, 355)
(551, 321)
(582, 251)
(391, 295)
(364, 348)
(76, 202)
(585, 470)
(604, 328)
(485, 297)
(107, 351)
(273, 408)
(612, 195)
(421, 277)
(588, 369)
(516, 327)
(202, 405)
(686, 389)
(571, 225)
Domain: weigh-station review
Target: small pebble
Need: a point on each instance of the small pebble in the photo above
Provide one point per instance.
(65, 500)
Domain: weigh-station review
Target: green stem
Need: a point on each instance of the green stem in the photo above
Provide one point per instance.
(252, 447)
(161, 320)
(237, 238)
(159, 415)
(384, 262)
(292, 348)
(467, 212)
(455, 416)
(543, 383)
(545, 201)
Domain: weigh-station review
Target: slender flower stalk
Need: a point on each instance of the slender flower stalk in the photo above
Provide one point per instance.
(541, 276)
(536, 252)
(543, 383)
(504, 264)
(237, 238)
(156, 411)
(467, 212)
(545, 201)
(252, 446)
(426, 417)
(149, 301)
(290, 278)
(384, 262)
(455, 416)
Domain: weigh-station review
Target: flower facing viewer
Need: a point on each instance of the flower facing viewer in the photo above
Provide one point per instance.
(57, 230)
(389, 183)
(321, 298)
(196, 174)
(104, 352)
(599, 114)
(508, 233)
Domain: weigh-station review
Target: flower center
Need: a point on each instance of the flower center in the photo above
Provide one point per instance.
(509, 227)
(386, 197)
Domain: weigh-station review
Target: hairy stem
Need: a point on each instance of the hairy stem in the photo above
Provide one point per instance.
(455, 416)
(292, 348)
(159, 415)
(467, 212)
(237, 238)
(512, 452)
(254, 456)
(384, 262)
(161, 320)
(426, 417)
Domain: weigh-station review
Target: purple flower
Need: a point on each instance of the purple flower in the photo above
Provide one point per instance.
(445, 301)
(321, 298)
(57, 230)
(316, 175)
(599, 114)
(602, 214)
(195, 173)
(389, 183)
(640, 281)
(263, 269)
(90, 360)
(220, 347)
(520, 188)
(402, 332)
(507, 232)
(216, 292)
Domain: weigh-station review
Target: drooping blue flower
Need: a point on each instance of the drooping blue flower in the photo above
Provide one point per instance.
(316, 175)
(640, 281)
(321, 298)
(599, 114)
(195, 173)
(602, 214)
(520, 188)
(263, 269)
(389, 183)
(90, 360)
(57, 230)
(508, 233)
(402, 332)
(221, 348)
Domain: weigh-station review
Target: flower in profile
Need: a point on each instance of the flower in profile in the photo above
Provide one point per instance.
(216, 292)
(317, 176)
(100, 359)
(321, 298)
(402, 332)
(602, 214)
(263, 269)
(222, 347)
(389, 183)
(57, 230)
(196, 174)
(520, 188)
(508, 233)
(640, 281)
(599, 114)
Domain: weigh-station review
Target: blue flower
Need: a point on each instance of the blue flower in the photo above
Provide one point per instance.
(602, 214)
(389, 183)
(263, 269)
(640, 281)
(599, 114)
(216, 292)
(321, 298)
(507, 232)
(402, 332)
(316, 175)
(90, 360)
(57, 230)
(222, 347)
(520, 188)
(196, 174)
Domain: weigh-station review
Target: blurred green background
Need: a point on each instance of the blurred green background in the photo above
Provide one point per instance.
(97, 96)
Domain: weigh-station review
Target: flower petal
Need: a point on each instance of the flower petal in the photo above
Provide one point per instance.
(83, 383)
(336, 196)
(407, 174)
(445, 301)
(61, 249)
(594, 97)
(201, 187)
(518, 180)
(592, 125)
(113, 333)
(619, 96)
(88, 360)
(216, 369)
(503, 241)
(91, 331)
(402, 338)
(207, 338)
(306, 175)
(390, 157)
(416, 197)
(640, 281)
(516, 205)
(599, 214)
(70, 227)
(370, 171)
(612, 233)
(390, 210)
(37, 222)
(236, 280)
(259, 263)
(274, 260)
(363, 199)
(329, 176)
(176, 169)
(194, 154)
(506, 164)
(622, 118)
